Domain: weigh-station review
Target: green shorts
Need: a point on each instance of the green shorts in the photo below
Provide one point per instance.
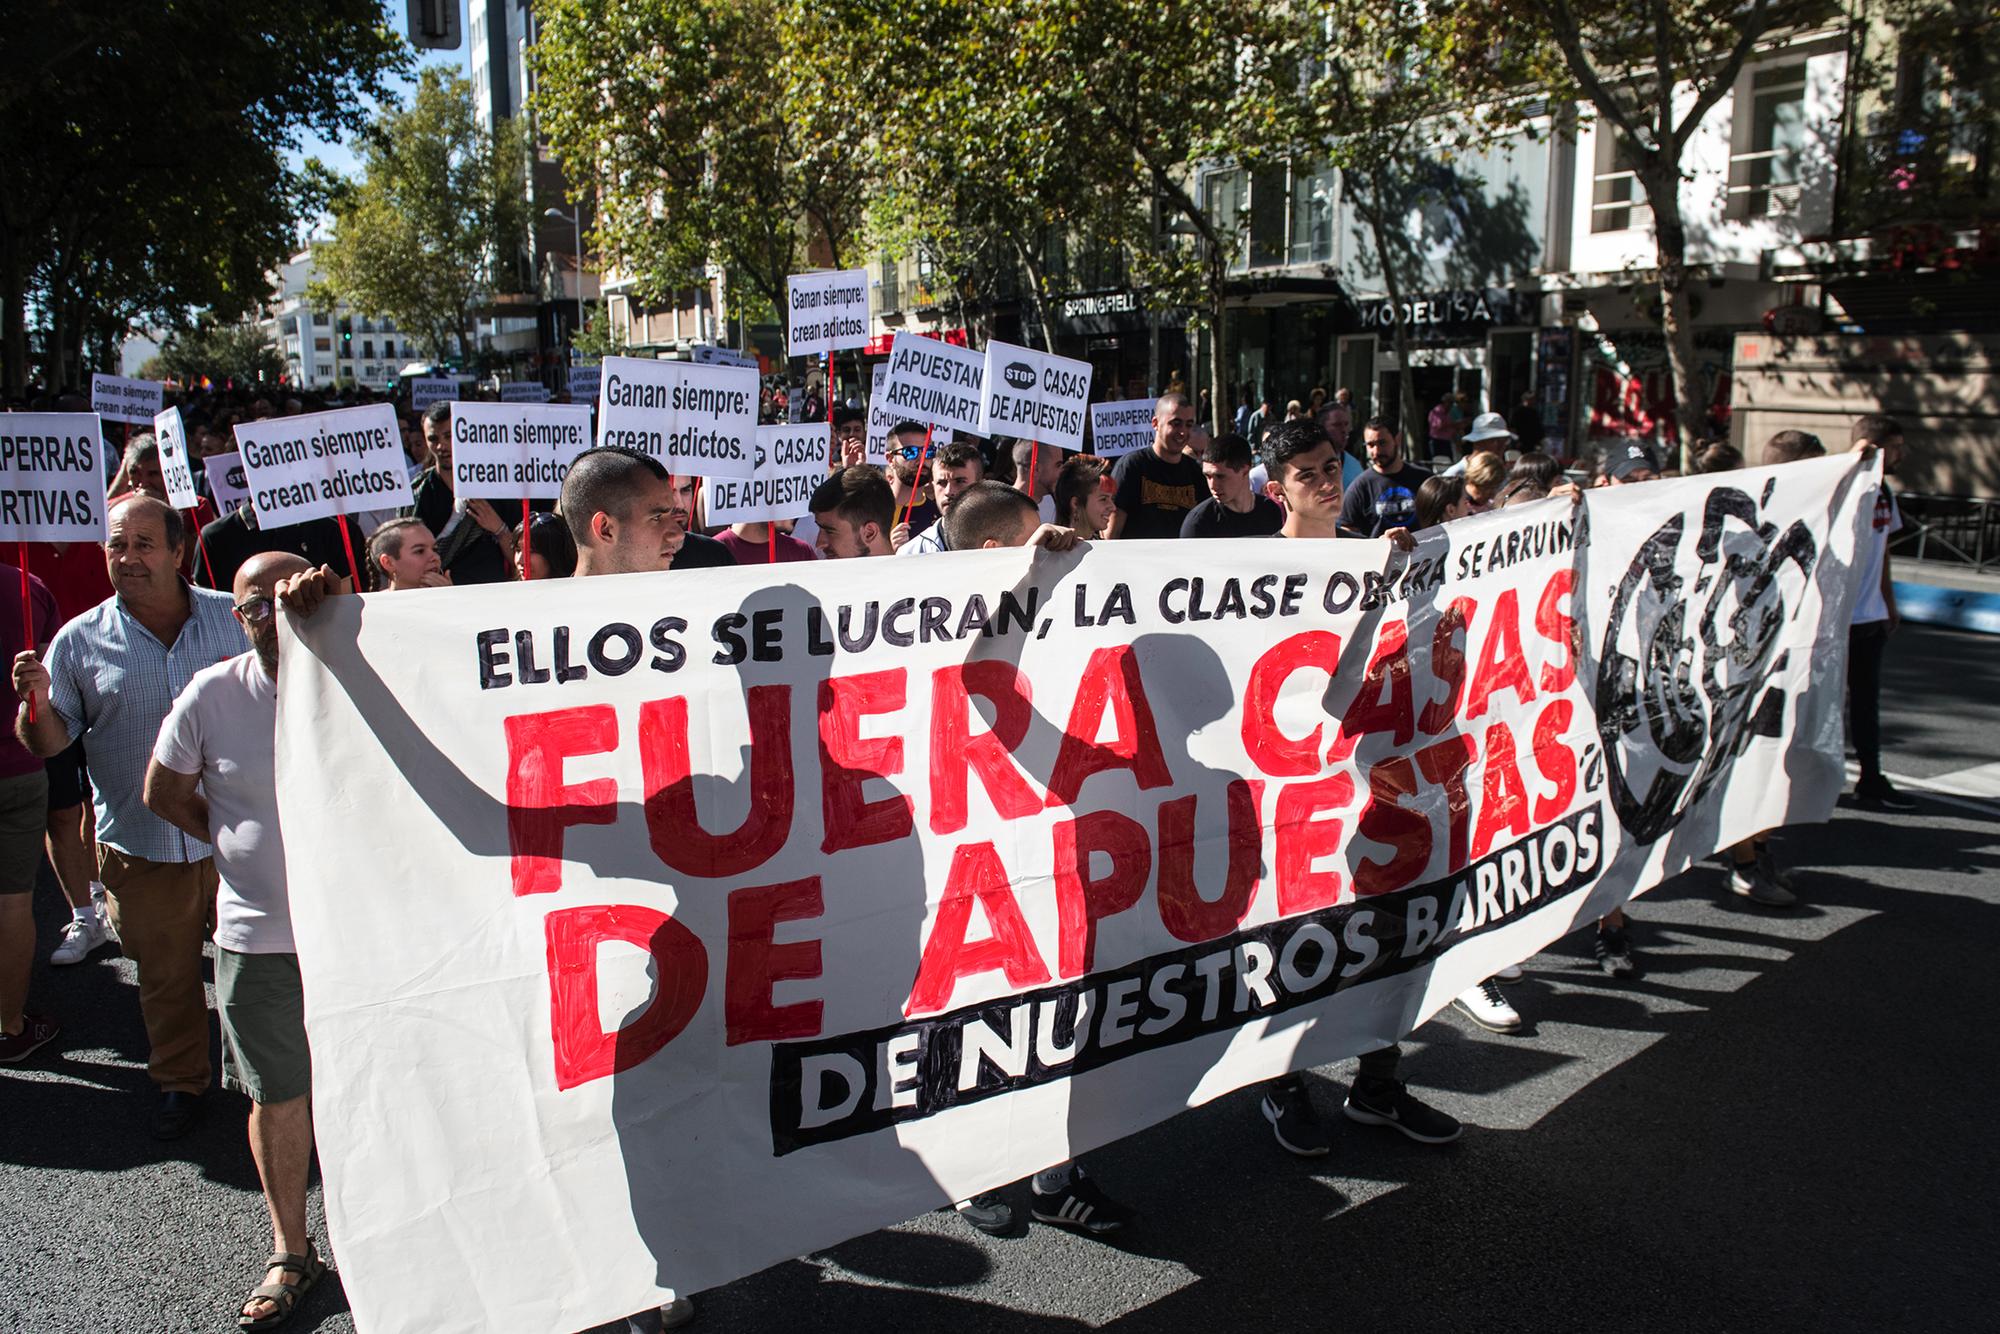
(21, 827)
(263, 1013)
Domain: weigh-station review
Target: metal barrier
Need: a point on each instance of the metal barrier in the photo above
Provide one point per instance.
(1959, 530)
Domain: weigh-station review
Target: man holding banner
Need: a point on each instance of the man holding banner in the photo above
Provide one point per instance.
(112, 674)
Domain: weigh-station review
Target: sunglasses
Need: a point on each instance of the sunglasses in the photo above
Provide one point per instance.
(256, 611)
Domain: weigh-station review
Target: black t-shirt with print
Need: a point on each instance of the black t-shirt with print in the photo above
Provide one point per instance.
(1212, 518)
(1378, 501)
(1155, 495)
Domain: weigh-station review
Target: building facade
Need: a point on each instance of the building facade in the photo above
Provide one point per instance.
(325, 349)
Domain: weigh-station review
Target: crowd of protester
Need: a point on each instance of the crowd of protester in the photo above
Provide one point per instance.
(142, 758)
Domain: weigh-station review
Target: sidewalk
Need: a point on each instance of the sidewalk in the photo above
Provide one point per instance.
(1941, 593)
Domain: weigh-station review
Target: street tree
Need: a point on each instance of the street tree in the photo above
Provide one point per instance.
(437, 222)
(145, 157)
(1651, 71)
(669, 112)
(218, 351)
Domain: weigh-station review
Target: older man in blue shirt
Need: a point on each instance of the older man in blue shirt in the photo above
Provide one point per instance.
(112, 673)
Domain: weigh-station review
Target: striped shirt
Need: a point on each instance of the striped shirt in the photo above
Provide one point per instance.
(112, 683)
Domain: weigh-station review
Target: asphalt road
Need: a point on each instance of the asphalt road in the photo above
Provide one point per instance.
(1783, 1124)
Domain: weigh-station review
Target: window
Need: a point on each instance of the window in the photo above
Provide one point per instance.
(1312, 214)
(1269, 204)
(1226, 199)
(1616, 202)
(368, 349)
(892, 283)
(1768, 139)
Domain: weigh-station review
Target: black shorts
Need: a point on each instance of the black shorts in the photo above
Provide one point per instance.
(69, 785)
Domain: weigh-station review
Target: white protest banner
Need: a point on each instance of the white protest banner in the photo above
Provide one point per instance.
(515, 451)
(117, 399)
(176, 464)
(932, 382)
(1118, 429)
(881, 418)
(428, 389)
(342, 462)
(583, 381)
(228, 484)
(826, 311)
(1034, 395)
(694, 419)
(705, 355)
(758, 915)
(524, 391)
(51, 477)
(791, 462)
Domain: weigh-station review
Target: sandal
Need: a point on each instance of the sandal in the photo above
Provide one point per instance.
(284, 1296)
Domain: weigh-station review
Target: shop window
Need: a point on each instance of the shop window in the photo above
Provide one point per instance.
(1768, 140)
(1617, 203)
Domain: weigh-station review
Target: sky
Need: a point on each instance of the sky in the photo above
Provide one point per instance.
(339, 156)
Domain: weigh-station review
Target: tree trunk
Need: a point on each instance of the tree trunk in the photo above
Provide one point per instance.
(1037, 286)
(1409, 412)
(13, 318)
(1218, 351)
(1690, 418)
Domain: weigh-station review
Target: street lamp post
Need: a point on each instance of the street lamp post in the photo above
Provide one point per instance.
(575, 220)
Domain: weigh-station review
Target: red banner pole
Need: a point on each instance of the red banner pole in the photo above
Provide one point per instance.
(527, 540)
(923, 456)
(1034, 455)
(353, 566)
(27, 613)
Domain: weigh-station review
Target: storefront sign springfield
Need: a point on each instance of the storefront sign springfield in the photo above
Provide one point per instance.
(1463, 312)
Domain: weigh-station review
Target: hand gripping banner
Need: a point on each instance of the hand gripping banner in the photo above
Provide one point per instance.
(657, 928)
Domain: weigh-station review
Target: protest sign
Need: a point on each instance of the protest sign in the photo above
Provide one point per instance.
(524, 391)
(583, 381)
(176, 465)
(51, 477)
(117, 399)
(826, 311)
(1118, 429)
(515, 451)
(705, 355)
(881, 418)
(791, 461)
(228, 484)
(932, 382)
(324, 463)
(428, 389)
(763, 912)
(1034, 396)
(694, 419)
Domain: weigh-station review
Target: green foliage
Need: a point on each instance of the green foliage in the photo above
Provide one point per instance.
(596, 338)
(670, 113)
(144, 147)
(217, 351)
(438, 220)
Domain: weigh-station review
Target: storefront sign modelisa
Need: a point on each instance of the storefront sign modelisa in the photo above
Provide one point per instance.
(1457, 313)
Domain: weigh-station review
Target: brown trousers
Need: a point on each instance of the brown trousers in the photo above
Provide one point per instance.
(163, 912)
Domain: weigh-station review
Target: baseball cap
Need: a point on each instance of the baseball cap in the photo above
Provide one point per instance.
(1488, 426)
(1629, 458)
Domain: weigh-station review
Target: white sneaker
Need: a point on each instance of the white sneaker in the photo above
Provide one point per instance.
(79, 939)
(1511, 973)
(1485, 1006)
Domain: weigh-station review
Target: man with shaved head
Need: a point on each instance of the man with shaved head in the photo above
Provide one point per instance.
(1157, 487)
(214, 775)
(112, 675)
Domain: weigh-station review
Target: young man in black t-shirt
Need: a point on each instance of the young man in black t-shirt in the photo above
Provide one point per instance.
(1384, 497)
(1305, 473)
(1232, 508)
(1158, 486)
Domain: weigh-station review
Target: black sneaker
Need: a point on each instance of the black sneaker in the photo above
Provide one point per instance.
(1879, 794)
(36, 1033)
(1294, 1123)
(1776, 874)
(988, 1212)
(1390, 1104)
(1080, 1205)
(1614, 952)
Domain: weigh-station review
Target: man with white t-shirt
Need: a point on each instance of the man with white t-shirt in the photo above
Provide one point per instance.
(214, 775)
(1874, 620)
